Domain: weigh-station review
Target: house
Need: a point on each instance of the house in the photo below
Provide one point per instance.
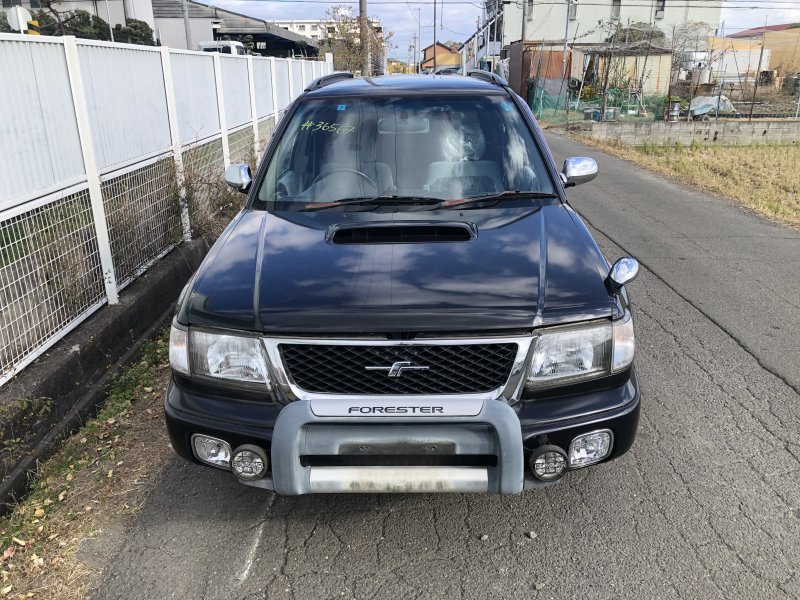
(584, 21)
(322, 29)
(782, 41)
(317, 29)
(446, 58)
(208, 23)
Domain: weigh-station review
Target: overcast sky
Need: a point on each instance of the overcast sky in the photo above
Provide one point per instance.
(458, 21)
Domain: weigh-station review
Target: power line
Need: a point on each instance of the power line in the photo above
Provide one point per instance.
(754, 4)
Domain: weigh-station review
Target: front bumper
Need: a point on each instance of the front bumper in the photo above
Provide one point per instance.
(301, 445)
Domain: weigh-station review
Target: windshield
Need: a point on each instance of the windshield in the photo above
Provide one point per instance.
(402, 147)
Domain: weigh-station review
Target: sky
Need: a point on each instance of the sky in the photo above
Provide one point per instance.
(458, 21)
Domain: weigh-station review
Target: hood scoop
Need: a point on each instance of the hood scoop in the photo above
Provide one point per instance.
(401, 233)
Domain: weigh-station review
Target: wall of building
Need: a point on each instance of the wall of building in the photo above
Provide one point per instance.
(142, 10)
(547, 20)
(784, 47)
(172, 33)
(135, 9)
(312, 28)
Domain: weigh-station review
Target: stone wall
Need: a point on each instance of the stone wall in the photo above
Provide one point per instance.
(730, 133)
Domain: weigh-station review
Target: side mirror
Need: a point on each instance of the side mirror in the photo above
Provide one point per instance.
(578, 170)
(238, 177)
(624, 271)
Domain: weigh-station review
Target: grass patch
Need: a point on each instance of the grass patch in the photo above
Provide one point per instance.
(763, 178)
(95, 482)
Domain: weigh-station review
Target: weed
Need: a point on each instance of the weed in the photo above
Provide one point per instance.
(765, 178)
(97, 477)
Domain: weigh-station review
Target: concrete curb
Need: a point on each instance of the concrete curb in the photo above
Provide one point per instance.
(74, 374)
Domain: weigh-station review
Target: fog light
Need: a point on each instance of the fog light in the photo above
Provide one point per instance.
(249, 462)
(590, 448)
(548, 463)
(212, 451)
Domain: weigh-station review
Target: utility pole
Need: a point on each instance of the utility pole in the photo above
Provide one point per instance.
(524, 22)
(758, 75)
(108, 15)
(721, 73)
(363, 38)
(418, 56)
(186, 25)
(494, 35)
(434, 36)
(566, 35)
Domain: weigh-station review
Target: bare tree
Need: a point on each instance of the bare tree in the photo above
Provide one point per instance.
(342, 38)
(691, 36)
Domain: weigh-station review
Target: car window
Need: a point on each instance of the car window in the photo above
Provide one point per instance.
(459, 147)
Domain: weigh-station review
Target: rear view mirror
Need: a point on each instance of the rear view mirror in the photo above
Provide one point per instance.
(238, 177)
(578, 170)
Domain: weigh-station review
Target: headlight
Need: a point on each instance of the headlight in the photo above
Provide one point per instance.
(220, 356)
(570, 355)
(231, 357)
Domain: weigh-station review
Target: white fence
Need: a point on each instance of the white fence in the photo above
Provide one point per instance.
(95, 142)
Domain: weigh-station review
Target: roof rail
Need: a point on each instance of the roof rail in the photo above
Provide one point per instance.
(321, 82)
(487, 76)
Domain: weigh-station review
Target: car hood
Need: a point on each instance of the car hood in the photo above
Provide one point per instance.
(280, 273)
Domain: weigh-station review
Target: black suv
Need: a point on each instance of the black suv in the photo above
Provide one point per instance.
(407, 303)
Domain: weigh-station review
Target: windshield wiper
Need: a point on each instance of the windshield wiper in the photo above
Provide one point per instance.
(373, 200)
(507, 195)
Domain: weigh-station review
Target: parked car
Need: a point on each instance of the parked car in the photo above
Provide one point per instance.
(407, 303)
(223, 47)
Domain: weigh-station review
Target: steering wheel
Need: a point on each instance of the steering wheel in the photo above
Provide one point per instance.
(325, 174)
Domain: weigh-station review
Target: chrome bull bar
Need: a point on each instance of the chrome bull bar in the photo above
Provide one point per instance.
(295, 436)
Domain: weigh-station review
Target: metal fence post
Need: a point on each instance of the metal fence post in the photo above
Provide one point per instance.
(291, 79)
(90, 166)
(177, 152)
(274, 87)
(253, 110)
(223, 122)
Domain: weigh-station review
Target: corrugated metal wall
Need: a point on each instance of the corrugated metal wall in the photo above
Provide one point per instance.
(39, 145)
(237, 90)
(72, 236)
(262, 80)
(282, 82)
(195, 95)
(124, 89)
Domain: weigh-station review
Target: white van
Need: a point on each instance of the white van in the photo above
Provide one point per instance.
(223, 47)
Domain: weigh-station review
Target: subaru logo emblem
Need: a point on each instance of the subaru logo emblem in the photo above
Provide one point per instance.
(397, 368)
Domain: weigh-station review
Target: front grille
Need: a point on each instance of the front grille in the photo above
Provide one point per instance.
(342, 369)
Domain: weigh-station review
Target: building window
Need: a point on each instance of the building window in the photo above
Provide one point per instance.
(314, 28)
(530, 9)
(314, 37)
(573, 10)
(301, 28)
(616, 7)
(660, 6)
(331, 30)
(7, 3)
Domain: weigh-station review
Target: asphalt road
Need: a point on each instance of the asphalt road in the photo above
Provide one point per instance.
(704, 506)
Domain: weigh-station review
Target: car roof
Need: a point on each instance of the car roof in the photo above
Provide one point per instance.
(407, 84)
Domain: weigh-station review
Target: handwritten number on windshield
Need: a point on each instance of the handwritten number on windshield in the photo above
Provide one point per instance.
(325, 126)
